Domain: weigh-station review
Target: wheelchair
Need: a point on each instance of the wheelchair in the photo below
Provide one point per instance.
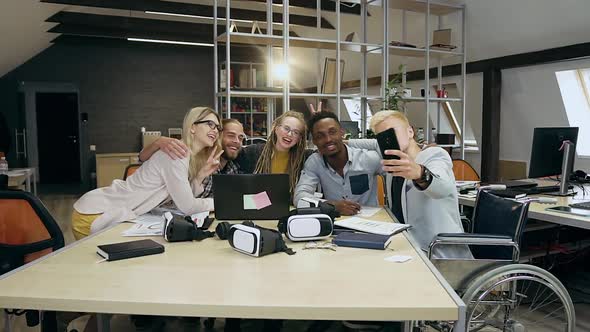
(499, 293)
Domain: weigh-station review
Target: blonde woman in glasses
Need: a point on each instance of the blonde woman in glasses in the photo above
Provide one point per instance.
(283, 152)
(158, 180)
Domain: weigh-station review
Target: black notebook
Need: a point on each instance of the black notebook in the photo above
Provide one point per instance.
(362, 240)
(122, 250)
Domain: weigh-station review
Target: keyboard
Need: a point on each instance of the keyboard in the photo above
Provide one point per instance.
(581, 205)
(542, 189)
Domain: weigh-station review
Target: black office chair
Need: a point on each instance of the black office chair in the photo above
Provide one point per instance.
(30, 233)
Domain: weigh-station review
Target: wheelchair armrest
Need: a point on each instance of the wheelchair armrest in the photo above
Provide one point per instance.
(473, 239)
(451, 236)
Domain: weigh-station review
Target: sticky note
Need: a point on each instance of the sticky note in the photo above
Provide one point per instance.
(249, 202)
(261, 200)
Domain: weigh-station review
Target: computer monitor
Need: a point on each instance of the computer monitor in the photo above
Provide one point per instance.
(251, 196)
(546, 157)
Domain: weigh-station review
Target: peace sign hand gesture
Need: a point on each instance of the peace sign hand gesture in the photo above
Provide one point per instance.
(313, 111)
(211, 165)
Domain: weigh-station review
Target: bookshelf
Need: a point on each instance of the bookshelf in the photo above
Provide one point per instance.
(270, 43)
(250, 109)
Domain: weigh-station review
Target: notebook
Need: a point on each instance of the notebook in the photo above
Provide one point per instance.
(371, 226)
(123, 250)
(362, 240)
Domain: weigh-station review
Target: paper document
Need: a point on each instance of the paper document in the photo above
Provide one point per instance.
(145, 229)
(199, 218)
(398, 258)
(368, 211)
(370, 226)
(148, 218)
(462, 185)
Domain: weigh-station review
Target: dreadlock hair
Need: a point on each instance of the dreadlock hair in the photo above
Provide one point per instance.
(296, 153)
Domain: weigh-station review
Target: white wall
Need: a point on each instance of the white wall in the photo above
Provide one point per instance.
(531, 98)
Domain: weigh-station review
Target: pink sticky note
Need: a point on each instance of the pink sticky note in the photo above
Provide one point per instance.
(261, 200)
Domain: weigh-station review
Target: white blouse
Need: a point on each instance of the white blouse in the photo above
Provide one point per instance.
(158, 179)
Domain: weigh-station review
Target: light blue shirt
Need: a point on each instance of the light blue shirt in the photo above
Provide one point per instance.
(358, 184)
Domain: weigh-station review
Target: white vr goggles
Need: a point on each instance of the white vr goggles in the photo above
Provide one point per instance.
(256, 241)
(307, 224)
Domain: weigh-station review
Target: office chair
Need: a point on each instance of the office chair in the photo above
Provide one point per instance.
(28, 231)
(130, 169)
(463, 171)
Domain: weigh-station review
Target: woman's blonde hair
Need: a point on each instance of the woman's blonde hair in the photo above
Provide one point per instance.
(197, 160)
(296, 153)
(380, 116)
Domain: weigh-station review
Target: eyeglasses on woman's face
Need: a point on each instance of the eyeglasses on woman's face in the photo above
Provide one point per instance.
(211, 124)
(286, 130)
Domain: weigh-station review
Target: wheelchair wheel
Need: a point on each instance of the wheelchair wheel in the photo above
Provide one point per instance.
(518, 298)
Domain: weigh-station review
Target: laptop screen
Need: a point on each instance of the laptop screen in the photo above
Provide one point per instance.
(251, 196)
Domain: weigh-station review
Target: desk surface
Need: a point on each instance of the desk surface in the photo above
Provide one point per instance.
(209, 279)
(538, 211)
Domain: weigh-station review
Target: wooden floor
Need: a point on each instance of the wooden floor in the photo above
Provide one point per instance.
(60, 206)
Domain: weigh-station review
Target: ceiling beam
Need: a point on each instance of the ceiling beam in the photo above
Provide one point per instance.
(562, 53)
(110, 26)
(191, 9)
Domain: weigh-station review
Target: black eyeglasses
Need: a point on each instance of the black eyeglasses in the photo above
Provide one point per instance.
(211, 124)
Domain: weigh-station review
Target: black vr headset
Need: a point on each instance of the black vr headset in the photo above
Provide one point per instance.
(306, 224)
(178, 228)
(252, 240)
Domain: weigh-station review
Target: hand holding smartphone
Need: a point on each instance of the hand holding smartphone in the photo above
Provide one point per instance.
(388, 141)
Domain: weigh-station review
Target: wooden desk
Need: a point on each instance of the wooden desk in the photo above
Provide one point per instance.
(209, 279)
(538, 211)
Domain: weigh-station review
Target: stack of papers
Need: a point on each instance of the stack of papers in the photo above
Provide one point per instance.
(371, 226)
(462, 185)
(146, 225)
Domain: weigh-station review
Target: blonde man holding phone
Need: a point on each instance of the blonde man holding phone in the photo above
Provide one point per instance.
(420, 184)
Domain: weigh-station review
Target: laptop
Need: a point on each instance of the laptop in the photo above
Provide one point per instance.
(251, 196)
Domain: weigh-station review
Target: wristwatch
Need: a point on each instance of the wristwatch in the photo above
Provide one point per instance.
(425, 178)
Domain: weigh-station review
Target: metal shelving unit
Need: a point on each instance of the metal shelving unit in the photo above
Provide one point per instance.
(270, 41)
(431, 55)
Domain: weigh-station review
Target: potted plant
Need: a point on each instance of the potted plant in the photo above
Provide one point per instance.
(394, 95)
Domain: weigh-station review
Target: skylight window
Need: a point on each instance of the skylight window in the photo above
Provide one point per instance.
(575, 92)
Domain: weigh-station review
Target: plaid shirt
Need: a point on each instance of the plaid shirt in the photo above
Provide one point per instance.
(230, 168)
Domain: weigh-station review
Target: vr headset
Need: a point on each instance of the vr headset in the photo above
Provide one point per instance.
(178, 228)
(252, 240)
(306, 224)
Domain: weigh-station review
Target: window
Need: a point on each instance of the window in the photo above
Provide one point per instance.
(575, 92)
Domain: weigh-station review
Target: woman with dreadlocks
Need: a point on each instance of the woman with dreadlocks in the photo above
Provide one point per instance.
(283, 152)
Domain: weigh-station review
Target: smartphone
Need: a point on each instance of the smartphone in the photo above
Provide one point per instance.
(570, 210)
(388, 141)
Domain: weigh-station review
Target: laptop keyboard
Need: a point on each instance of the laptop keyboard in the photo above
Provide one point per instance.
(582, 205)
